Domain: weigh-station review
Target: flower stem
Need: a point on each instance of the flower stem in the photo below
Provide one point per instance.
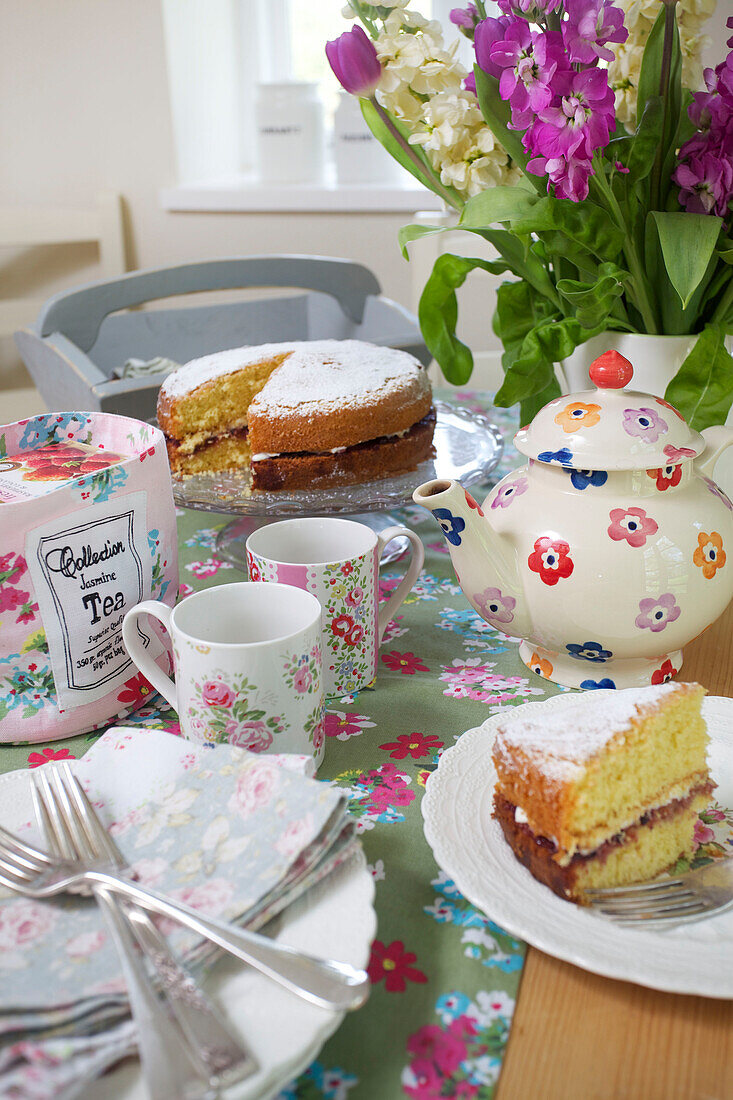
(723, 306)
(655, 179)
(431, 180)
(643, 302)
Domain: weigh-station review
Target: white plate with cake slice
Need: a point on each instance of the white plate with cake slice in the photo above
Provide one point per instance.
(470, 847)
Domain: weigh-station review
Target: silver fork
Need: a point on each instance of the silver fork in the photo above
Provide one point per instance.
(72, 828)
(693, 896)
(324, 982)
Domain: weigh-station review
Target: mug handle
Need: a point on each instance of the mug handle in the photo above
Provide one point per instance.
(162, 612)
(417, 558)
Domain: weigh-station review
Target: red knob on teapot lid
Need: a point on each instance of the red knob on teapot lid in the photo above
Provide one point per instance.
(611, 371)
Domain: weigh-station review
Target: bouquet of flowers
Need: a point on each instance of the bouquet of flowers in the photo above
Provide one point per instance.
(578, 151)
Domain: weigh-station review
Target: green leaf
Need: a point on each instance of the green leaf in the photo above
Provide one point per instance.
(426, 174)
(593, 302)
(533, 369)
(438, 314)
(726, 255)
(497, 115)
(702, 389)
(687, 242)
(410, 233)
(584, 223)
(496, 204)
(651, 80)
(645, 140)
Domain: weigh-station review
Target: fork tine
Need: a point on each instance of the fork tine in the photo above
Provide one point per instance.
(14, 844)
(657, 911)
(623, 905)
(59, 835)
(99, 841)
(16, 872)
(639, 888)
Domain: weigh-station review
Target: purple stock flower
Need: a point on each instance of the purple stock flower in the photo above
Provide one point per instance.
(353, 58)
(532, 10)
(470, 83)
(590, 24)
(580, 122)
(569, 177)
(465, 18)
(487, 32)
(706, 183)
(529, 60)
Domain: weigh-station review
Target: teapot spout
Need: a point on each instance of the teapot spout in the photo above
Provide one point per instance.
(485, 561)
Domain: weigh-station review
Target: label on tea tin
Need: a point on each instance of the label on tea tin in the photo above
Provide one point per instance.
(88, 570)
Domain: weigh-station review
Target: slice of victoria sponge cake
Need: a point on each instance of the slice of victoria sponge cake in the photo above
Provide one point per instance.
(607, 791)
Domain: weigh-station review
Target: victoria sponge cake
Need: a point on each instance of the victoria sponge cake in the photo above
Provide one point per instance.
(606, 792)
(299, 414)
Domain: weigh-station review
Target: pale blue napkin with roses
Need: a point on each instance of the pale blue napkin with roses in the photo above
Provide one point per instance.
(234, 834)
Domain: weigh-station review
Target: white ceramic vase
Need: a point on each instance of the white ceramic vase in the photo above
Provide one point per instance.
(656, 360)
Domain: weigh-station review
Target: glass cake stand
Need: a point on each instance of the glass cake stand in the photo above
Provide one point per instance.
(467, 447)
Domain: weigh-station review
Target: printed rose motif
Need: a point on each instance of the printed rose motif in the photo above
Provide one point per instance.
(254, 570)
(703, 834)
(644, 424)
(675, 454)
(506, 492)
(341, 625)
(295, 836)
(655, 614)
(664, 674)
(592, 685)
(709, 555)
(211, 897)
(355, 635)
(541, 666)
(666, 477)
(588, 651)
(472, 504)
(255, 788)
(355, 597)
(216, 694)
(393, 965)
(406, 663)
(551, 560)
(632, 524)
(415, 745)
(35, 759)
(24, 921)
(12, 567)
(253, 736)
(578, 415)
(564, 456)
(494, 606)
(347, 569)
(85, 944)
(344, 724)
(12, 598)
(452, 525)
(302, 680)
(581, 479)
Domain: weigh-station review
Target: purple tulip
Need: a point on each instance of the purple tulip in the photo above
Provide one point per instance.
(353, 58)
(487, 32)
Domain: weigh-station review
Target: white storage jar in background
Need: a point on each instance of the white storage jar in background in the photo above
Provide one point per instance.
(359, 157)
(290, 134)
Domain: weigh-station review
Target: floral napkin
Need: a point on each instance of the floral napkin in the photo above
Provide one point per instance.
(236, 835)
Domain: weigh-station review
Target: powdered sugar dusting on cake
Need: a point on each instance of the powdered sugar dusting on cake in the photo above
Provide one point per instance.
(346, 371)
(194, 374)
(340, 374)
(562, 742)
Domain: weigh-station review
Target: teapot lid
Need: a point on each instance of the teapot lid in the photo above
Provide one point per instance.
(609, 428)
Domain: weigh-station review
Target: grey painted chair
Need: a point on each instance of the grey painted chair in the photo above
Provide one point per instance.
(80, 336)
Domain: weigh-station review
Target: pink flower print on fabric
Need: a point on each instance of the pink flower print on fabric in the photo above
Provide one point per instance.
(495, 606)
(302, 679)
(295, 836)
(644, 424)
(23, 922)
(507, 492)
(632, 524)
(85, 944)
(656, 614)
(255, 788)
(355, 597)
(216, 694)
(210, 897)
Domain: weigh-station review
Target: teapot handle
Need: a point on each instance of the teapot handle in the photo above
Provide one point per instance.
(717, 439)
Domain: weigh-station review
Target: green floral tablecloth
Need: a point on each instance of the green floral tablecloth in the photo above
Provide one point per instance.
(444, 976)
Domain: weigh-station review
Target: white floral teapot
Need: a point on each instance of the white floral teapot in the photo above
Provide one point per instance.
(611, 549)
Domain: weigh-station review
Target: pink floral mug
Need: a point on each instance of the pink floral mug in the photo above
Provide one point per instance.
(338, 561)
(248, 666)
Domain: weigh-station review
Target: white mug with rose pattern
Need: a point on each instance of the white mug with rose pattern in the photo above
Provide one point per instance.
(338, 561)
(248, 666)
